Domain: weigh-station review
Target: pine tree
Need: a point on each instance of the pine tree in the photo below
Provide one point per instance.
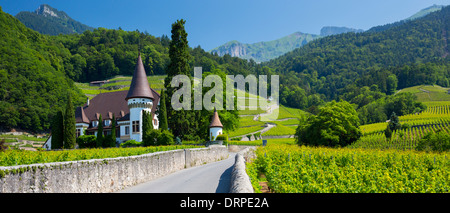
(163, 112)
(388, 132)
(58, 131)
(178, 121)
(100, 132)
(394, 123)
(113, 132)
(69, 126)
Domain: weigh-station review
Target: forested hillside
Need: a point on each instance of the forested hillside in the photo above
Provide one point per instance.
(415, 52)
(32, 81)
(39, 70)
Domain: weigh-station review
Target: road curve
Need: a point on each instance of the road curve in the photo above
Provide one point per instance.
(209, 178)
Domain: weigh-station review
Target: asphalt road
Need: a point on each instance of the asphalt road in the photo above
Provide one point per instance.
(209, 178)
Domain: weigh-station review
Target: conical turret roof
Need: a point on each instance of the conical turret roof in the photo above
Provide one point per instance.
(215, 121)
(139, 87)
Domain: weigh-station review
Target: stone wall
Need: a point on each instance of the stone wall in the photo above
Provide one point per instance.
(240, 181)
(103, 175)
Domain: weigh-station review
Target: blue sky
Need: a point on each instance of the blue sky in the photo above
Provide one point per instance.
(210, 23)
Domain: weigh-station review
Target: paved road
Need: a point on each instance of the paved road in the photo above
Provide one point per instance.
(209, 178)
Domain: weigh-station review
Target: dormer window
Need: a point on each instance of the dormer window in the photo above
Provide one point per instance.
(94, 123)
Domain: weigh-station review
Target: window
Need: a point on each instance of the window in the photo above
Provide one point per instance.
(135, 126)
(78, 133)
(127, 130)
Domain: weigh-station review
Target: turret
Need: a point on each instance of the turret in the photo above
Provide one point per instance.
(139, 98)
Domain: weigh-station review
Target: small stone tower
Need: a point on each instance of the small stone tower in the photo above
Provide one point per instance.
(215, 128)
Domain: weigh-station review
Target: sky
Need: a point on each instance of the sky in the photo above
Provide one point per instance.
(211, 23)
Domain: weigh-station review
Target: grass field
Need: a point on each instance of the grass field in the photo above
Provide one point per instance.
(427, 93)
(119, 83)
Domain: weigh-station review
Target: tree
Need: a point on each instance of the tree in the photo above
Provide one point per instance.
(113, 132)
(148, 138)
(181, 122)
(337, 124)
(437, 142)
(86, 141)
(58, 131)
(165, 138)
(391, 84)
(69, 126)
(110, 140)
(388, 132)
(100, 132)
(394, 123)
(162, 115)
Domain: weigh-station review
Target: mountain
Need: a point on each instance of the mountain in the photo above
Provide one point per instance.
(266, 50)
(415, 52)
(417, 15)
(425, 12)
(50, 21)
(331, 30)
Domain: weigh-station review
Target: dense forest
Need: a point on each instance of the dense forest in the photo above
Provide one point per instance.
(33, 85)
(37, 71)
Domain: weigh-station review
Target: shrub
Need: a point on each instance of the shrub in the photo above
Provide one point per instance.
(151, 137)
(438, 142)
(108, 141)
(130, 143)
(223, 138)
(87, 141)
(165, 138)
(3, 147)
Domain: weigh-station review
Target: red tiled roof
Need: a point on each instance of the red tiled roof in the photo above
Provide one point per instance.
(80, 116)
(215, 121)
(108, 104)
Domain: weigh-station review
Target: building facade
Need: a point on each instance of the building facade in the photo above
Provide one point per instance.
(125, 107)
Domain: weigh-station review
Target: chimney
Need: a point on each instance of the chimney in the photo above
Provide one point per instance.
(87, 102)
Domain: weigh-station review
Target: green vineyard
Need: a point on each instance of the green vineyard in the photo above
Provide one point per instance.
(435, 118)
(373, 164)
(301, 169)
(22, 157)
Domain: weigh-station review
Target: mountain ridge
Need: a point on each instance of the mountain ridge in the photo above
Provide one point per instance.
(250, 51)
(256, 51)
(48, 20)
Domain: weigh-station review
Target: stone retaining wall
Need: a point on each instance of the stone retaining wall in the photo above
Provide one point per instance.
(240, 182)
(103, 175)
